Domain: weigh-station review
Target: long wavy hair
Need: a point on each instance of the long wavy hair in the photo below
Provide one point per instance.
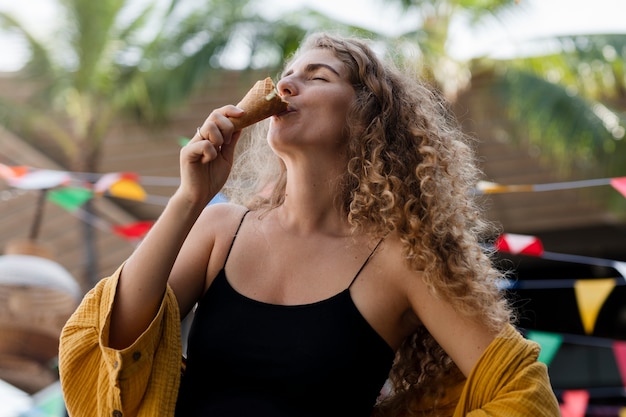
(411, 173)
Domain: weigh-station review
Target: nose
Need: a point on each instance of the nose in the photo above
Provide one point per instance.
(287, 87)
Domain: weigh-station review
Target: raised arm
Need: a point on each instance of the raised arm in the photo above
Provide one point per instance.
(205, 163)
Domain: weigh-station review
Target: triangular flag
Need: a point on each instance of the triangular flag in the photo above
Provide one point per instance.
(70, 198)
(493, 187)
(41, 179)
(135, 230)
(519, 244)
(574, 403)
(619, 184)
(619, 351)
(105, 181)
(127, 188)
(549, 342)
(591, 295)
(12, 172)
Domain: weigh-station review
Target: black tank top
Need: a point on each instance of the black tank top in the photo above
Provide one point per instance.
(246, 358)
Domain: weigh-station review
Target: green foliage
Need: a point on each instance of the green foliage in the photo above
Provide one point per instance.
(571, 103)
(568, 127)
(125, 57)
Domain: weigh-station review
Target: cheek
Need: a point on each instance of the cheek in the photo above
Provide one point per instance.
(338, 110)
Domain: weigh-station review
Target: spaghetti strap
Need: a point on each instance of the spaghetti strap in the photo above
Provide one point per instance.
(234, 237)
(365, 263)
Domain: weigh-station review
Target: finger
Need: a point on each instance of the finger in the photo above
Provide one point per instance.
(228, 149)
(199, 150)
(222, 118)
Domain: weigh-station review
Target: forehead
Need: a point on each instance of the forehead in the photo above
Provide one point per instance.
(316, 56)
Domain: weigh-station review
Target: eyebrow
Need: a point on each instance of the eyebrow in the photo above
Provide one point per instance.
(312, 67)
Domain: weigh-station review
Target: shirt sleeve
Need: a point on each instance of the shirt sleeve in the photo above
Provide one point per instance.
(508, 381)
(140, 380)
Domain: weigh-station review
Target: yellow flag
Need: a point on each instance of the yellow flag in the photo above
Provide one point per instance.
(591, 295)
(125, 188)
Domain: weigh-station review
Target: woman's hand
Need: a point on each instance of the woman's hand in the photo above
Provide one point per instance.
(206, 161)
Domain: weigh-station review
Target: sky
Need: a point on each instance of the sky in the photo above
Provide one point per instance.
(536, 18)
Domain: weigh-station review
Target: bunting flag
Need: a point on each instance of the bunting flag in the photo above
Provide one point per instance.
(532, 246)
(550, 344)
(486, 187)
(619, 184)
(70, 198)
(619, 351)
(574, 403)
(121, 185)
(519, 244)
(135, 230)
(41, 179)
(590, 296)
(10, 172)
(128, 189)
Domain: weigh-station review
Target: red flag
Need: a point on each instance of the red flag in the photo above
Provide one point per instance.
(519, 244)
(574, 403)
(13, 171)
(619, 350)
(135, 230)
(619, 184)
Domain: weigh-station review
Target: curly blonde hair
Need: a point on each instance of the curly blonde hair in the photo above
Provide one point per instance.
(411, 172)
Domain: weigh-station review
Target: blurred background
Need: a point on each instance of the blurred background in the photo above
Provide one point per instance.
(96, 99)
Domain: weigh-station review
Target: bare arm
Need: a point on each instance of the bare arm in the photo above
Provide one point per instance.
(464, 339)
(204, 167)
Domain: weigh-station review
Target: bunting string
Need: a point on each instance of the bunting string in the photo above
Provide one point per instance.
(486, 187)
(27, 177)
(550, 284)
(572, 339)
(529, 245)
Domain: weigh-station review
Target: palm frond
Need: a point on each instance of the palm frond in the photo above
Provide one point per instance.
(40, 63)
(568, 128)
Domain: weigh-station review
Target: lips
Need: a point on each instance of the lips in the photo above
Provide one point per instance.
(290, 109)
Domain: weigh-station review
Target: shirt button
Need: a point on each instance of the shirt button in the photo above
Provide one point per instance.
(117, 413)
(115, 364)
(136, 356)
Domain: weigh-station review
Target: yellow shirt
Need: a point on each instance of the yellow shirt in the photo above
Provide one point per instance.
(142, 380)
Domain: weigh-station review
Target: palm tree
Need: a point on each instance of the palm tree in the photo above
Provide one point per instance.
(123, 57)
(569, 103)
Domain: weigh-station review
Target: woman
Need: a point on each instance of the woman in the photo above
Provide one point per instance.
(354, 259)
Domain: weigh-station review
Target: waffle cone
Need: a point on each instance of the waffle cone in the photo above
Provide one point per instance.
(261, 102)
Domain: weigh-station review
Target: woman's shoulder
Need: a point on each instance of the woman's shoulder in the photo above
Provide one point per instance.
(218, 219)
(226, 213)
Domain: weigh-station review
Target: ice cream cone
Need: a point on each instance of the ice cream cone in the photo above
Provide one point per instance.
(261, 102)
